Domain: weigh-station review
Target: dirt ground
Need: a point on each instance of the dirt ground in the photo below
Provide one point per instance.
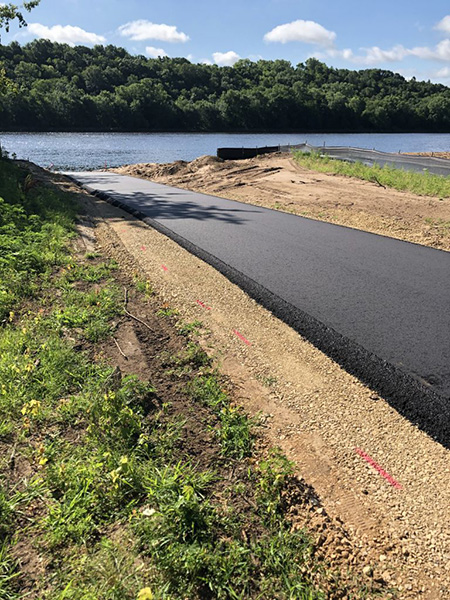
(277, 181)
(432, 154)
(391, 524)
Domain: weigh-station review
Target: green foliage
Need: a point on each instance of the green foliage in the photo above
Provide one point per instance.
(425, 184)
(6, 512)
(188, 329)
(272, 476)
(35, 224)
(11, 12)
(90, 273)
(106, 88)
(91, 311)
(235, 428)
(8, 573)
(110, 571)
(144, 287)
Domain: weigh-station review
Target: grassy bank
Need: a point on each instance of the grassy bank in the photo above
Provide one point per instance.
(112, 486)
(425, 184)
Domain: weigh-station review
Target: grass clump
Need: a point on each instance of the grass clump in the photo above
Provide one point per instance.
(35, 224)
(235, 428)
(424, 184)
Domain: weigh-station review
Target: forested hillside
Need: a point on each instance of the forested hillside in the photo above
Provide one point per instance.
(59, 87)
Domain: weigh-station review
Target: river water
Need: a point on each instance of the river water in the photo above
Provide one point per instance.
(82, 151)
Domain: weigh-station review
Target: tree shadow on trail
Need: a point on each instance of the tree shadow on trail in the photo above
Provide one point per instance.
(162, 204)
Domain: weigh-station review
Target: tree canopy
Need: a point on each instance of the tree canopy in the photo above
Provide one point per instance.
(105, 88)
(11, 12)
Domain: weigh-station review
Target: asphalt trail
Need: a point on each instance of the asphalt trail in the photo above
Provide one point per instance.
(378, 306)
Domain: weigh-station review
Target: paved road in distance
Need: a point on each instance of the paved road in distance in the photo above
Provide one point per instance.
(379, 306)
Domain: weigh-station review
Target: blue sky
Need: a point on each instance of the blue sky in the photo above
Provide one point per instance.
(411, 37)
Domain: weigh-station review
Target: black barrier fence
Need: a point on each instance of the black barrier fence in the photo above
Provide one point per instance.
(241, 153)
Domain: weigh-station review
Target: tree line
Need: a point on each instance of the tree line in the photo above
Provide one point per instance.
(55, 87)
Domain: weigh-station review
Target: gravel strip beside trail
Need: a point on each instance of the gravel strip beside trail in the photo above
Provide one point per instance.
(316, 412)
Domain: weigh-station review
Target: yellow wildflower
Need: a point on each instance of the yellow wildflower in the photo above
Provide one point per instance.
(145, 594)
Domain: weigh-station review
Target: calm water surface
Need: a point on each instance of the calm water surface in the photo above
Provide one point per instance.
(81, 151)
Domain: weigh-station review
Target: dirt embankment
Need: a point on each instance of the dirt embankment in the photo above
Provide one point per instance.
(277, 181)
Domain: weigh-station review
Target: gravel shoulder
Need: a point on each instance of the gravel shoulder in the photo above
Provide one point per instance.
(277, 181)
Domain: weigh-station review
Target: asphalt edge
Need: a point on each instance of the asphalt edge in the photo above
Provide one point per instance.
(421, 405)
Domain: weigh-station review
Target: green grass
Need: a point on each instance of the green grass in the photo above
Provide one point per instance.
(424, 184)
(234, 433)
(35, 224)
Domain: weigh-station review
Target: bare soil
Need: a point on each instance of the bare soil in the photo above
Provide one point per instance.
(432, 154)
(277, 181)
(314, 410)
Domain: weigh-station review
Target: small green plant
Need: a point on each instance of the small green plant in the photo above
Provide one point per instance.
(268, 381)
(144, 287)
(235, 433)
(188, 329)
(235, 428)
(167, 311)
(8, 573)
(90, 273)
(272, 476)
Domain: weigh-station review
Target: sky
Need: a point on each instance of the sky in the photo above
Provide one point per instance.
(410, 37)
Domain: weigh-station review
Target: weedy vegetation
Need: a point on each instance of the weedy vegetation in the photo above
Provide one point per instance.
(424, 184)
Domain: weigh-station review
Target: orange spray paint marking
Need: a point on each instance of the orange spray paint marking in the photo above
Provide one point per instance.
(203, 305)
(378, 468)
(241, 337)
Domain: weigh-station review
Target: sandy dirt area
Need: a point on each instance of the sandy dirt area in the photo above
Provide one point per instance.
(432, 154)
(390, 522)
(277, 181)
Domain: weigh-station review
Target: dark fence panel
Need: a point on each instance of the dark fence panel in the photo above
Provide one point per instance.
(241, 153)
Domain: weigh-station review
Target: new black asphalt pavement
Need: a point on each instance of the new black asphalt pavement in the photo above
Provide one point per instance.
(378, 306)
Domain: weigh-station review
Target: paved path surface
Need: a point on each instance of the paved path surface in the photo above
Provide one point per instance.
(367, 300)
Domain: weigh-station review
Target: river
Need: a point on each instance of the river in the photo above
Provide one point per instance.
(82, 151)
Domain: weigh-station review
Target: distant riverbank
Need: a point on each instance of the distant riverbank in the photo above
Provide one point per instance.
(82, 151)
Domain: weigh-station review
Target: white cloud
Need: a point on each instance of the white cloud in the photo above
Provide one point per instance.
(444, 25)
(206, 61)
(440, 52)
(444, 73)
(308, 32)
(376, 55)
(226, 59)
(65, 34)
(155, 52)
(145, 30)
